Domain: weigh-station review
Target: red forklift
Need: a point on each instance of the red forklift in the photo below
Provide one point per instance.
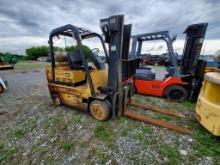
(182, 82)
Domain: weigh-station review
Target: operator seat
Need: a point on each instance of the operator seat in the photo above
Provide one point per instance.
(75, 60)
(97, 61)
(145, 74)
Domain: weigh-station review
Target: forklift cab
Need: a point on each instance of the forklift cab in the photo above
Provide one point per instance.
(146, 73)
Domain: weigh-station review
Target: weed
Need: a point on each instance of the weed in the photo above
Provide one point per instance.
(165, 117)
(124, 131)
(32, 124)
(121, 119)
(189, 105)
(77, 118)
(138, 136)
(91, 153)
(18, 133)
(63, 126)
(103, 157)
(6, 152)
(146, 129)
(137, 96)
(103, 133)
(142, 137)
(66, 146)
(206, 144)
(171, 153)
(135, 159)
(40, 151)
(52, 121)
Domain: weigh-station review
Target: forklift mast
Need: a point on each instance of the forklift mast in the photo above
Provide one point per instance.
(113, 28)
(192, 66)
(195, 34)
(120, 69)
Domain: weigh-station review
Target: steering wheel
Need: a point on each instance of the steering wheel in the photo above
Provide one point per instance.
(95, 51)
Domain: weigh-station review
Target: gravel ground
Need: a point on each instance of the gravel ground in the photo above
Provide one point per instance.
(34, 131)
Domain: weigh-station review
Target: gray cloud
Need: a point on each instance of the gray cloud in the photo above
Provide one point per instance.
(35, 19)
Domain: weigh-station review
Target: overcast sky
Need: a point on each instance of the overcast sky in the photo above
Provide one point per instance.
(26, 23)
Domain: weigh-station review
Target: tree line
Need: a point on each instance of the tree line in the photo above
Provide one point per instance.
(34, 53)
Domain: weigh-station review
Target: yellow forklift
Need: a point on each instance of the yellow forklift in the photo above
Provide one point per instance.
(101, 90)
(105, 91)
(208, 103)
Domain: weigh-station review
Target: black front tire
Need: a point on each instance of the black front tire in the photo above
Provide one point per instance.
(176, 93)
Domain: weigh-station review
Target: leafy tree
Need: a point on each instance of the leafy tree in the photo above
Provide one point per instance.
(35, 52)
(86, 50)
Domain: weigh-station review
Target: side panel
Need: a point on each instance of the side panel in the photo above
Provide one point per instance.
(208, 107)
(156, 87)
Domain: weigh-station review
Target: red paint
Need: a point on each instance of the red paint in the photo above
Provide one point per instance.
(156, 87)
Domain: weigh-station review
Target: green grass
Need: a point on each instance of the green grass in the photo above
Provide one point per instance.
(121, 119)
(18, 133)
(206, 143)
(103, 157)
(165, 117)
(63, 126)
(171, 153)
(135, 159)
(125, 130)
(142, 136)
(6, 152)
(138, 136)
(40, 151)
(146, 129)
(51, 122)
(66, 146)
(32, 123)
(77, 118)
(26, 65)
(189, 105)
(103, 133)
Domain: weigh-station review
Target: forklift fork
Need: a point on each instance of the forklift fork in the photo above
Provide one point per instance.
(149, 120)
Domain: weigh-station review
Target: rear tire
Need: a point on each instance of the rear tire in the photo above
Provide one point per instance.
(176, 93)
(100, 110)
(1, 88)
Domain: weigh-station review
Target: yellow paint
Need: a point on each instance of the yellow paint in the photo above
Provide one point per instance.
(74, 95)
(210, 69)
(208, 104)
(64, 74)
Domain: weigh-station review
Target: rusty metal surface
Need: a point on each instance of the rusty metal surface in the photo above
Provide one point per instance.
(155, 108)
(149, 120)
